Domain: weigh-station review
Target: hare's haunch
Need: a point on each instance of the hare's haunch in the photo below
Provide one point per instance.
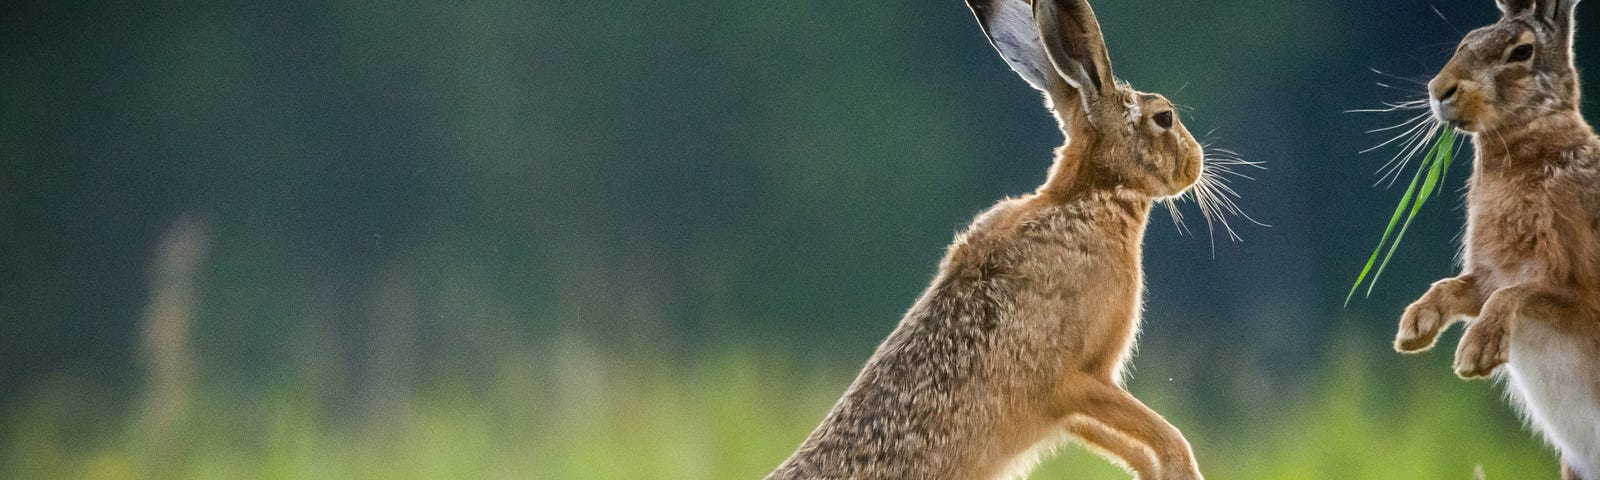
(1530, 286)
(1021, 339)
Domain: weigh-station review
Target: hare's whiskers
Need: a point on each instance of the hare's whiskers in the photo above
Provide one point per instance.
(1177, 215)
(1447, 21)
(1421, 83)
(1419, 122)
(1412, 137)
(1392, 107)
(1420, 117)
(1405, 90)
(1215, 195)
(1412, 134)
(1409, 150)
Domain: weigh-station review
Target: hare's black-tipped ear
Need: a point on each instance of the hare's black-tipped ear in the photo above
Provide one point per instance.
(1513, 7)
(1010, 28)
(1071, 36)
(1562, 14)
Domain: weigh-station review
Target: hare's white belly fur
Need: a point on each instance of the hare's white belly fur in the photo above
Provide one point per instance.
(1553, 376)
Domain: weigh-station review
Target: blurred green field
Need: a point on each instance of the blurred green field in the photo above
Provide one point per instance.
(571, 412)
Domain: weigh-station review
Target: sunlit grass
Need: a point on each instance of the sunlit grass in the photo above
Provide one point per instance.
(581, 415)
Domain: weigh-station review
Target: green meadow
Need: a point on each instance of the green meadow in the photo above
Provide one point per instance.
(582, 415)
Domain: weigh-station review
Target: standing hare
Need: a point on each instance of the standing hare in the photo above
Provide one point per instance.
(1022, 338)
(1531, 273)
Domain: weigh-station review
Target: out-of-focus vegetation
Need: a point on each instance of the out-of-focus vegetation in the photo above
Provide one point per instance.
(620, 239)
(578, 413)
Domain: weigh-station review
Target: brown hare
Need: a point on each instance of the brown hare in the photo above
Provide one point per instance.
(1530, 284)
(1022, 338)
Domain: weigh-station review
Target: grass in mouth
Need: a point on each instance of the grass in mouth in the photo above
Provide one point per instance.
(1428, 180)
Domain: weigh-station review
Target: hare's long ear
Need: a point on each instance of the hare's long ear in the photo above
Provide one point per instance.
(1071, 36)
(1511, 8)
(1563, 15)
(1010, 28)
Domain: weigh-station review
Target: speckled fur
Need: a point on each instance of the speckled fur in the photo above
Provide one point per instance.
(1022, 338)
(1530, 286)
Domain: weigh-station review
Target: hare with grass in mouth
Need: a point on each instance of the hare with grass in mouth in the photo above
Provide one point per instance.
(1022, 339)
(1530, 283)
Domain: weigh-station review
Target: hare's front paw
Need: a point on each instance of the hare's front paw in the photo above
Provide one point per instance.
(1483, 347)
(1420, 325)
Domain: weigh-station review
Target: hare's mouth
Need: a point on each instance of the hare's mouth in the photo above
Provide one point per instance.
(1212, 189)
(1451, 114)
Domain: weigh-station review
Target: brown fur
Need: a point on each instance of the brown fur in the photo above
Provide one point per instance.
(1532, 249)
(1023, 335)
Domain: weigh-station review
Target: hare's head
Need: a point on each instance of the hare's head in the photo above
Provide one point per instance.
(1512, 72)
(1127, 138)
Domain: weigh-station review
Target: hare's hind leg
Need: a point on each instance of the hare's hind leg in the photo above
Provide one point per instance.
(1567, 473)
(1116, 410)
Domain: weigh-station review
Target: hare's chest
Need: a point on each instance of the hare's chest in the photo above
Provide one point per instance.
(1080, 273)
(1513, 234)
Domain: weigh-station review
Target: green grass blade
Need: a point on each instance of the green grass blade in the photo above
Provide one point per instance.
(1430, 176)
(1449, 155)
(1399, 210)
(1410, 203)
(1437, 159)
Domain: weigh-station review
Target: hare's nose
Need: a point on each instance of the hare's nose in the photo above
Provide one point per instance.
(1450, 93)
(1444, 87)
(1443, 92)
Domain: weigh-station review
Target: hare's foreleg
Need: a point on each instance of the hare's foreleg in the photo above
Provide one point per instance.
(1448, 301)
(1116, 409)
(1484, 345)
(1115, 444)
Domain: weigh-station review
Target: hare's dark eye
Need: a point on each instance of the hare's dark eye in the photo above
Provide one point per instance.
(1520, 54)
(1163, 119)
